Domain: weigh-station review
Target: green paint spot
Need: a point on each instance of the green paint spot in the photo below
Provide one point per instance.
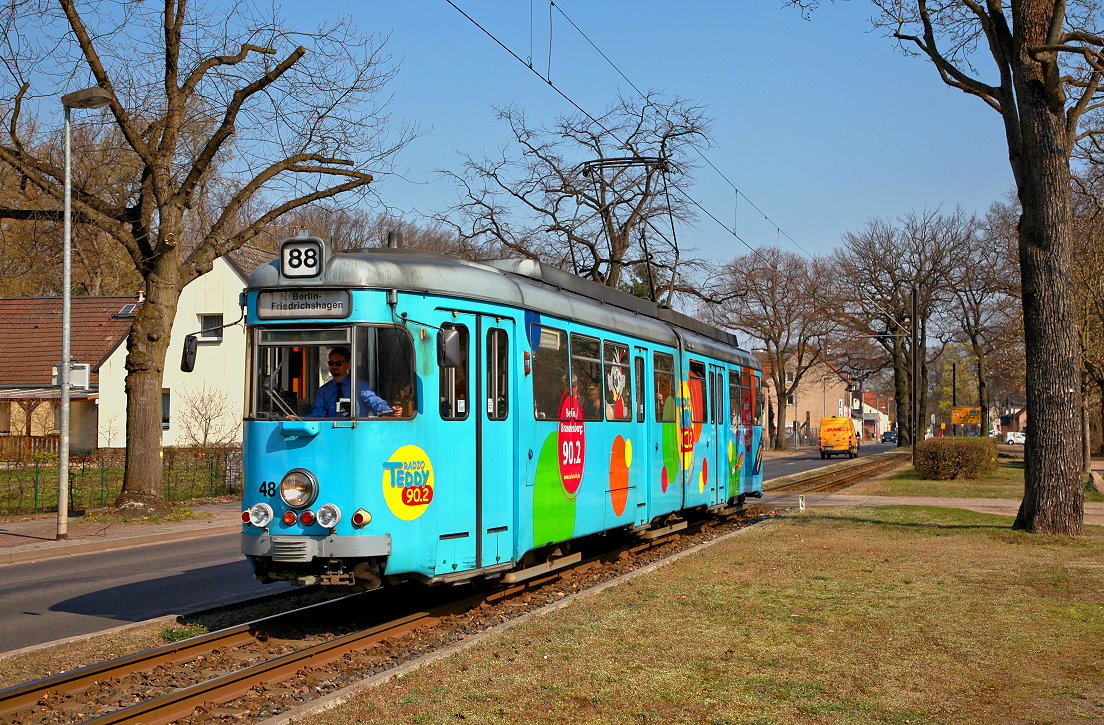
(553, 512)
(669, 444)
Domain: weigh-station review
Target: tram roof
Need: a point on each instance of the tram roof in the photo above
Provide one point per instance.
(523, 283)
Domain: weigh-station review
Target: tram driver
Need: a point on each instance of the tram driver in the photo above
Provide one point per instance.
(332, 398)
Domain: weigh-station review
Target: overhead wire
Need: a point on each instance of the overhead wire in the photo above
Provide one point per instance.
(595, 121)
(700, 153)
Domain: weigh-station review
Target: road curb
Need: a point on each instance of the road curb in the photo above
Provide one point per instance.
(56, 549)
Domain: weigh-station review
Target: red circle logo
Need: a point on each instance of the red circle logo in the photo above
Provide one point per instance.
(572, 443)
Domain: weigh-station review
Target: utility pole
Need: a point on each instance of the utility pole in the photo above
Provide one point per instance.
(954, 397)
(914, 413)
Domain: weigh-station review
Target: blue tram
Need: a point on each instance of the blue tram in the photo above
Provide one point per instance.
(414, 416)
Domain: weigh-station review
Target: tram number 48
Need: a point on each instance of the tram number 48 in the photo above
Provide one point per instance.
(268, 488)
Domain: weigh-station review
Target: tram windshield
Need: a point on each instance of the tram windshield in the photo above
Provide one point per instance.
(361, 371)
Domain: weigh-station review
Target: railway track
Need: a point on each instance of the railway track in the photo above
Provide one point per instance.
(841, 477)
(230, 671)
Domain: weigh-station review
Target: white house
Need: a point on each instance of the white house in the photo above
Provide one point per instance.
(209, 401)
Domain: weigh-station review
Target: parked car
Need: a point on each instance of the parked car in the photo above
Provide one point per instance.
(889, 436)
(1015, 437)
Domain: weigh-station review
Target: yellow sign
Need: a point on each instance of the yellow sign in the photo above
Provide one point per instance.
(966, 415)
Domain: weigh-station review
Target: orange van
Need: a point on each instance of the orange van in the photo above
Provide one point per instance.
(837, 436)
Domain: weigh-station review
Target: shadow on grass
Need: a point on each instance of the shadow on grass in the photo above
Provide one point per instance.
(929, 518)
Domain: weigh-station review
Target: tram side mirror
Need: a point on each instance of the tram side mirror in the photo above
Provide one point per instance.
(188, 357)
(448, 347)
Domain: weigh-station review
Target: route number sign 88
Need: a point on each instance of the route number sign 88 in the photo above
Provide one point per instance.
(301, 258)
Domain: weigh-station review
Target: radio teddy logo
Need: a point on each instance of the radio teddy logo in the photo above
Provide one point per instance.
(408, 482)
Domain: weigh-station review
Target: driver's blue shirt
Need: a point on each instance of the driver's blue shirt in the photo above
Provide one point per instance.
(325, 400)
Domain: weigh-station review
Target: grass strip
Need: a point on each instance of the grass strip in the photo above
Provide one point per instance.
(841, 615)
(1007, 481)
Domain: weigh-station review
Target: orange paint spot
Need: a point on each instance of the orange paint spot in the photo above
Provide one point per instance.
(619, 475)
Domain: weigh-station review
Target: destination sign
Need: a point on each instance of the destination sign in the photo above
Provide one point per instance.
(965, 416)
(310, 303)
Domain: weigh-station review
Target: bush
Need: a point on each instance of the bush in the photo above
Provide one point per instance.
(944, 459)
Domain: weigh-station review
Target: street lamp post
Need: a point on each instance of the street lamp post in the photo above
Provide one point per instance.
(94, 97)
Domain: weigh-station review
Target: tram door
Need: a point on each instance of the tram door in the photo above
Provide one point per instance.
(477, 437)
(718, 419)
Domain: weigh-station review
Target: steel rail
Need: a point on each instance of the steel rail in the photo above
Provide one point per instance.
(21, 697)
(172, 706)
(841, 476)
(175, 705)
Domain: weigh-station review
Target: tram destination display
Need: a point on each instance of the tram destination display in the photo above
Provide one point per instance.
(312, 303)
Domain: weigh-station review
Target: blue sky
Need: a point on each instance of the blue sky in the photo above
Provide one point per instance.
(821, 123)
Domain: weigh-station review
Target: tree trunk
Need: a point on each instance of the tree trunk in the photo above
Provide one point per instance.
(1086, 461)
(147, 346)
(901, 397)
(780, 433)
(982, 388)
(1053, 493)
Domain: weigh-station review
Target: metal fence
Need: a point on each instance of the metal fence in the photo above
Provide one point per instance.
(28, 487)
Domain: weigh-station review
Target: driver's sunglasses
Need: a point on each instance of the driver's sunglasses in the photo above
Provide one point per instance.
(335, 364)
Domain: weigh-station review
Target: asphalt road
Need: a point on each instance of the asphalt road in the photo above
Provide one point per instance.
(59, 598)
(789, 465)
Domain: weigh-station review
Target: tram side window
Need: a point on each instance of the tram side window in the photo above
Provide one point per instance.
(619, 395)
(748, 409)
(454, 383)
(664, 367)
(758, 401)
(698, 404)
(639, 389)
(498, 392)
(714, 398)
(586, 375)
(734, 397)
(384, 366)
(550, 371)
(718, 397)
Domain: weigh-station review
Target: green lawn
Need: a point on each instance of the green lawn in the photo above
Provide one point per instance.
(1005, 482)
(841, 615)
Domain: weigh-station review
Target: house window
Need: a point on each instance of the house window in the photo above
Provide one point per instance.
(208, 322)
(164, 408)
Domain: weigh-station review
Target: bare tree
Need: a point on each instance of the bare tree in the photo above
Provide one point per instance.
(785, 302)
(208, 419)
(218, 115)
(591, 195)
(1048, 59)
(978, 284)
(1088, 271)
(350, 229)
(895, 276)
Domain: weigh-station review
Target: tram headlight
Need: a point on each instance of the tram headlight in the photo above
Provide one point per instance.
(260, 515)
(328, 515)
(299, 488)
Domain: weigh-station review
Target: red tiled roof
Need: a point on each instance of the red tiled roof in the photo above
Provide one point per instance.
(247, 258)
(30, 328)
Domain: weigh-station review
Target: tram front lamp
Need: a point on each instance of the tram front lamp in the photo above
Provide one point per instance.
(260, 515)
(299, 488)
(328, 515)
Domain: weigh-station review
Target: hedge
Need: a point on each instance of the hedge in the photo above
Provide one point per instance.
(944, 459)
